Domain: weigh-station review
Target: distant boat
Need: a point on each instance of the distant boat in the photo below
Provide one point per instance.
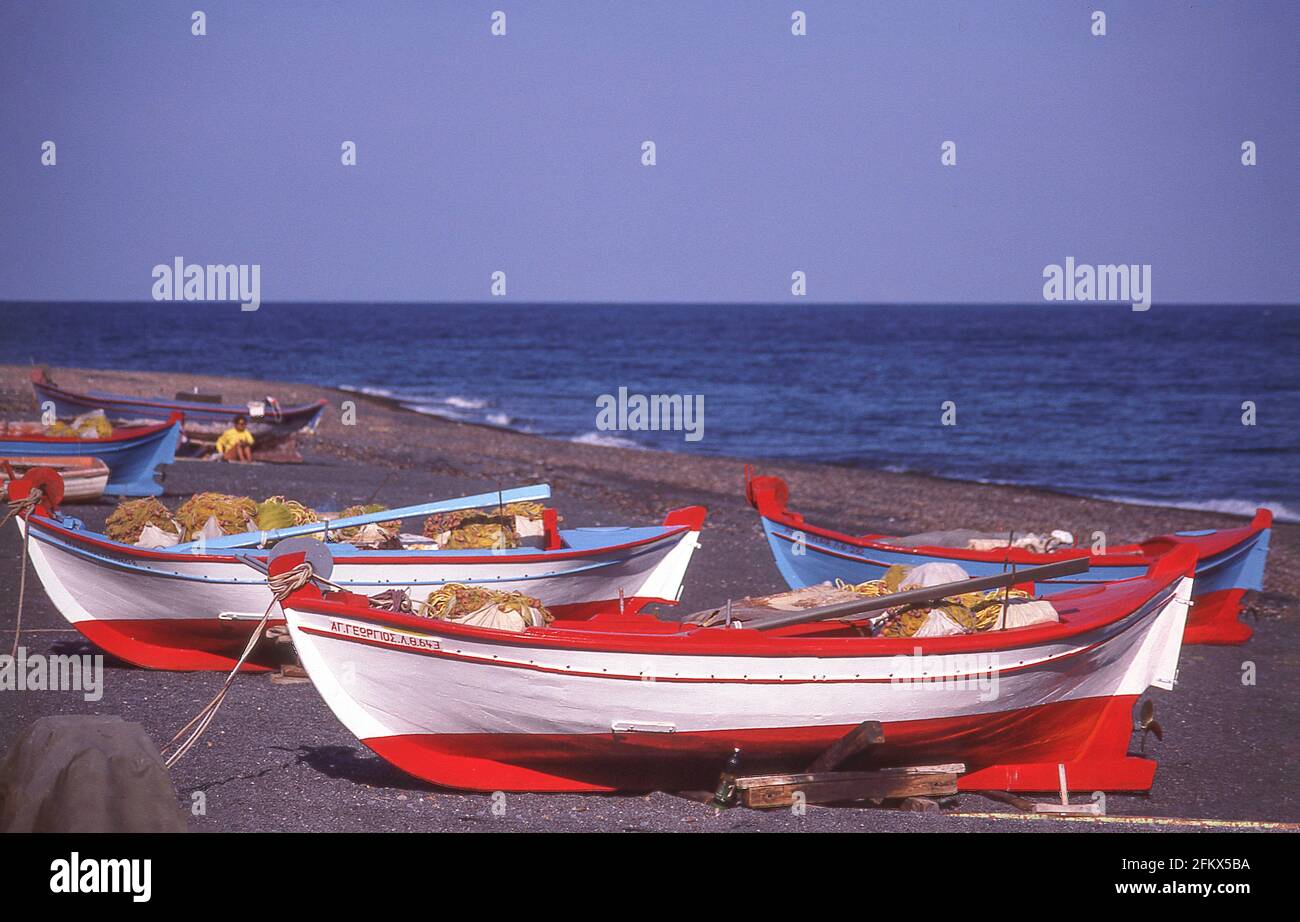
(204, 421)
(84, 479)
(133, 454)
(643, 704)
(1230, 561)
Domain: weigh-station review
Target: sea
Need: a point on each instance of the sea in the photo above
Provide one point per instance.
(1190, 406)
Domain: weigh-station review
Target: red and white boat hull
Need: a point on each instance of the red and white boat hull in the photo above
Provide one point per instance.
(606, 706)
(175, 610)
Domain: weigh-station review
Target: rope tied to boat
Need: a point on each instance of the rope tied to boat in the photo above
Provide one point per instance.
(282, 585)
(22, 507)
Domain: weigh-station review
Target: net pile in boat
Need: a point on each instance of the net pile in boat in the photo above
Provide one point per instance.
(471, 605)
(280, 512)
(213, 514)
(131, 519)
(467, 529)
(149, 523)
(92, 425)
(967, 613)
(375, 535)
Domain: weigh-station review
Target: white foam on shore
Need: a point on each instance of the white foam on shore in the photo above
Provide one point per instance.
(1242, 507)
(465, 403)
(425, 409)
(600, 438)
(368, 391)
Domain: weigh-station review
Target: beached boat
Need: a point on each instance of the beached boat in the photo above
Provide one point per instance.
(133, 454)
(1230, 561)
(83, 479)
(204, 422)
(636, 703)
(194, 606)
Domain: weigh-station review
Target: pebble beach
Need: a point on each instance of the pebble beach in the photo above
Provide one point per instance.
(277, 759)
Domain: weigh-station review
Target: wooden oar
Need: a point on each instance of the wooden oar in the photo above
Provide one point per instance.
(912, 596)
(531, 493)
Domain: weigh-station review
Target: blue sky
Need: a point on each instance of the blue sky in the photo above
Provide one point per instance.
(775, 152)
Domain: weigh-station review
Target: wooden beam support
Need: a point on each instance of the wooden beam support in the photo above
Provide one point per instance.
(865, 734)
(769, 791)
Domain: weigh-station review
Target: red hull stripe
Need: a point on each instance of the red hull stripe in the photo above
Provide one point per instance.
(1017, 751)
(179, 645)
(1214, 619)
(211, 644)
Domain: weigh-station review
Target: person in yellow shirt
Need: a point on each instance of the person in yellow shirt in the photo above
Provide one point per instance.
(236, 444)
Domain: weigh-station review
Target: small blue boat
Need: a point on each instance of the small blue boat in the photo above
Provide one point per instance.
(1230, 562)
(133, 454)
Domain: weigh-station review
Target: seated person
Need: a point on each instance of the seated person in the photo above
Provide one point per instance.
(236, 444)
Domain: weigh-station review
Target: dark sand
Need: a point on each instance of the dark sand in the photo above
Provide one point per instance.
(276, 758)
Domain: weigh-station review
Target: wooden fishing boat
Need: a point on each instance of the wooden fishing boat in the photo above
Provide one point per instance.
(204, 422)
(193, 606)
(1230, 561)
(84, 479)
(133, 454)
(636, 703)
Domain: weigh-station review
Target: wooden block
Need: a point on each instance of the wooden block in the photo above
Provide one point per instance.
(951, 768)
(767, 791)
(865, 734)
(290, 674)
(919, 805)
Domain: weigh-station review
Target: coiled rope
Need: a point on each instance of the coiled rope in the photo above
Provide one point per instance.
(281, 585)
(21, 507)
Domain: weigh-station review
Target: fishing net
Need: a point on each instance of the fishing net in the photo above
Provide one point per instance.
(480, 607)
(466, 529)
(92, 425)
(966, 613)
(128, 521)
(278, 512)
(376, 534)
(231, 515)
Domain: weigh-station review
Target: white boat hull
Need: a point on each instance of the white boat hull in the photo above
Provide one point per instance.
(517, 712)
(195, 611)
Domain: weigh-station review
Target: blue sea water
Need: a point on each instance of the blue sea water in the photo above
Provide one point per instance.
(1085, 399)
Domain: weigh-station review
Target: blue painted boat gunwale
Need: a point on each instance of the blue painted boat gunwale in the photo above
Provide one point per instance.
(342, 549)
(133, 462)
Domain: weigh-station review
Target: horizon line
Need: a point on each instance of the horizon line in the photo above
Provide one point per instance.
(10, 302)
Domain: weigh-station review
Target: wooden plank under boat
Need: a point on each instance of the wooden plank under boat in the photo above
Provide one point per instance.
(640, 703)
(134, 455)
(204, 421)
(1230, 562)
(84, 478)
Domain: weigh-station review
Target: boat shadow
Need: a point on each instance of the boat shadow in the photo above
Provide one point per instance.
(80, 646)
(360, 767)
